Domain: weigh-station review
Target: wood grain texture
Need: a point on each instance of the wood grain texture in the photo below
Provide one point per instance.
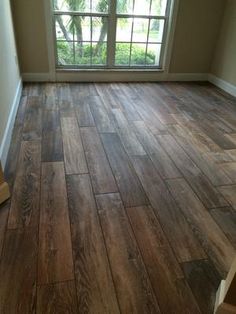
(32, 129)
(173, 295)
(24, 209)
(204, 281)
(211, 236)
(230, 169)
(133, 287)
(229, 193)
(96, 293)
(127, 136)
(18, 271)
(4, 210)
(57, 298)
(198, 181)
(159, 157)
(84, 115)
(101, 117)
(168, 148)
(52, 149)
(130, 187)
(226, 219)
(100, 171)
(175, 225)
(55, 249)
(75, 161)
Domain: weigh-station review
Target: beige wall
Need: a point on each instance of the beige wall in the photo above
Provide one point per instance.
(197, 28)
(30, 32)
(224, 64)
(9, 73)
(196, 33)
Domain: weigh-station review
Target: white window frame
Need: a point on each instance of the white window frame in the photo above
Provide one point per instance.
(111, 73)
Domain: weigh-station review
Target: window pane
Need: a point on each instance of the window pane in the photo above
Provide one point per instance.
(99, 56)
(72, 5)
(83, 53)
(156, 30)
(138, 53)
(158, 7)
(140, 31)
(94, 6)
(82, 27)
(153, 54)
(65, 53)
(142, 7)
(100, 28)
(100, 6)
(123, 29)
(63, 27)
(124, 6)
(122, 54)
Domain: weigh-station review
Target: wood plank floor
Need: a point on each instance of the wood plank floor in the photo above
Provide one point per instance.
(123, 199)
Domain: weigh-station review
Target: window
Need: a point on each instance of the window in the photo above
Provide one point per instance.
(110, 34)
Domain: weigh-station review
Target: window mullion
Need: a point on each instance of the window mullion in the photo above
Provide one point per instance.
(111, 36)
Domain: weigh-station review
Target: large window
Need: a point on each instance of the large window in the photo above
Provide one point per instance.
(110, 33)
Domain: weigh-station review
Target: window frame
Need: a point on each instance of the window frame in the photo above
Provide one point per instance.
(112, 16)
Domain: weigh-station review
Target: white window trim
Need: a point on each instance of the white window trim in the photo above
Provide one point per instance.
(107, 74)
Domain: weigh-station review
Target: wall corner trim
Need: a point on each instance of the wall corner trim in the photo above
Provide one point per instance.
(224, 85)
(4, 147)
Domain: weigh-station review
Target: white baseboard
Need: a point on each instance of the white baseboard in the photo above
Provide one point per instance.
(227, 87)
(6, 141)
(36, 77)
(113, 75)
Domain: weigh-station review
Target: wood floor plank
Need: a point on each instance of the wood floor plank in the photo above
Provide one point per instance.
(101, 117)
(164, 271)
(51, 99)
(4, 210)
(226, 219)
(130, 187)
(208, 232)
(52, 148)
(180, 235)
(55, 249)
(229, 193)
(96, 293)
(160, 159)
(127, 136)
(32, 129)
(216, 175)
(208, 194)
(204, 281)
(24, 210)
(126, 105)
(133, 287)
(217, 136)
(57, 298)
(99, 169)
(18, 269)
(75, 162)
(64, 96)
(84, 114)
(230, 169)
(150, 118)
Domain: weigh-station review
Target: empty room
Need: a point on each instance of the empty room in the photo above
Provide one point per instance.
(118, 156)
